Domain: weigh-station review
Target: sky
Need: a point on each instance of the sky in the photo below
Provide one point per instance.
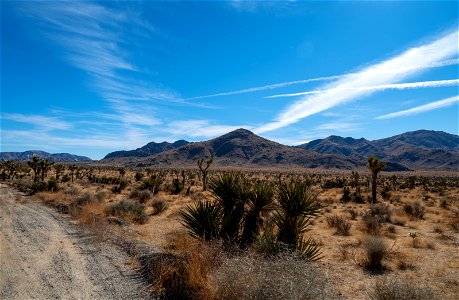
(90, 77)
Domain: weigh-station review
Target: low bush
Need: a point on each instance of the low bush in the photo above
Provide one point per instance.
(372, 224)
(375, 251)
(184, 275)
(85, 198)
(128, 210)
(341, 225)
(283, 277)
(381, 211)
(117, 189)
(53, 186)
(391, 288)
(71, 190)
(159, 206)
(100, 196)
(141, 195)
(414, 210)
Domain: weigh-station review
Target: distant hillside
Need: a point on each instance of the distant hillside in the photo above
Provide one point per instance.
(417, 150)
(243, 148)
(147, 150)
(56, 157)
(420, 150)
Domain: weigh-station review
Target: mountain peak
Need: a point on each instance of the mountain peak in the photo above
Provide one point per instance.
(241, 131)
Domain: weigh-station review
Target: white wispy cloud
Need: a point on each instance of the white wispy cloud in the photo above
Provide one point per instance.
(46, 123)
(382, 87)
(266, 87)
(438, 64)
(420, 109)
(390, 71)
(93, 38)
(339, 126)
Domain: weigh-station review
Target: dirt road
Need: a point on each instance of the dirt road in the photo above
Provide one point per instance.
(43, 255)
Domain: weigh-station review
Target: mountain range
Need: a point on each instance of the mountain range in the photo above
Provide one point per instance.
(56, 157)
(416, 150)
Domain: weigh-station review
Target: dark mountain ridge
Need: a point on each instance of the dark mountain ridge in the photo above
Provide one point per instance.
(56, 157)
(421, 149)
(147, 150)
(417, 150)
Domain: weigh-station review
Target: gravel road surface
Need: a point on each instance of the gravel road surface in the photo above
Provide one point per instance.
(44, 255)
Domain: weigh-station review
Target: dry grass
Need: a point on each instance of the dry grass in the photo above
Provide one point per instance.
(434, 215)
(391, 288)
(283, 277)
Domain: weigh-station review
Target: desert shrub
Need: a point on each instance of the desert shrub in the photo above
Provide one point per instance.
(341, 225)
(39, 186)
(141, 195)
(159, 206)
(144, 196)
(184, 275)
(337, 182)
(268, 245)
(444, 203)
(128, 210)
(372, 225)
(120, 187)
(375, 251)
(85, 198)
(414, 210)
(353, 214)
(404, 265)
(398, 220)
(284, 277)
(176, 187)
(71, 190)
(24, 185)
(395, 289)
(53, 186)
(152, 183)
(65, 178)
(381, 211)
(346, 195)
(100, 196)
(392, 229)
(385, 193)
(357, 198)
(138, 176)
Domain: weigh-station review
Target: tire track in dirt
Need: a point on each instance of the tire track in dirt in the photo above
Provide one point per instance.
(43, 255)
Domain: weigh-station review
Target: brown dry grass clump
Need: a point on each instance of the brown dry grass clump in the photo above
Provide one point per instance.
(391, 288)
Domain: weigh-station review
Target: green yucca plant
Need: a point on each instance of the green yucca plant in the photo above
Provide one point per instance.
(309, 249)
(260, 201)
(236, 214)
(297, 205)
(203, 220)
(231, 192)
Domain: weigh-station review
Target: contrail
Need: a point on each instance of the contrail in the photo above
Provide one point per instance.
(325, 78)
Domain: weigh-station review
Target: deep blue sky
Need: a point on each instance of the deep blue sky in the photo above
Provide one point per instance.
(93, 77)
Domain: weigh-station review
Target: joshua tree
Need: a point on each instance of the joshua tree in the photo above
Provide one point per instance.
(72, 169)
(34, 164)
(122, 171)
(355, 177)
(44, 164)
(59, 169)
(10, 167)
(375, 165)
(204, 171)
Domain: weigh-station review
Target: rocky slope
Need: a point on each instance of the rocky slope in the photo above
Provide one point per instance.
(56, 157)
